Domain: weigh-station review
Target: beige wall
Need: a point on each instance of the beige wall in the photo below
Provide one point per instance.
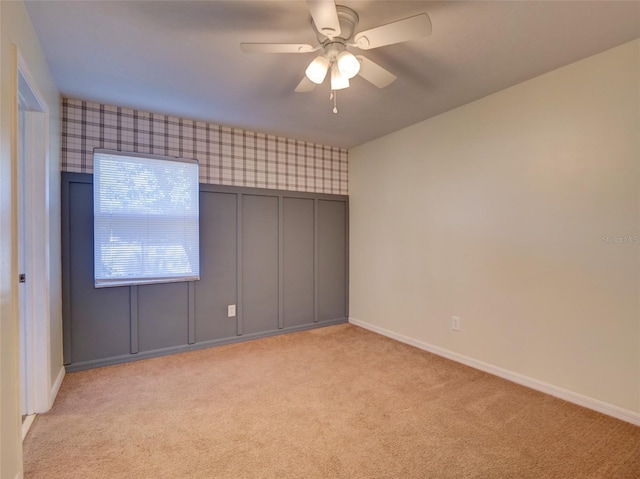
(16, 29)
(499, 212)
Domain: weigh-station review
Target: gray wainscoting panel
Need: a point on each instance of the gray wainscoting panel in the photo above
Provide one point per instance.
(100, 326)
(259, 263)
(332, 259)
(163, 312)
(298, 244)
(217, 286)
(280, 256)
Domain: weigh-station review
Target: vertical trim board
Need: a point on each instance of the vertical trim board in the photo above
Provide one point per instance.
(346, 262)
(133, 319)
(316, 256)
(66, 270)
(280, 262)
(191, 323)
(239, 275)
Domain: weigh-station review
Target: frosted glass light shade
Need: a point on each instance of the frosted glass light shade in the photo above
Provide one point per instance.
(317, 69)
(348, 64)
(338, 80)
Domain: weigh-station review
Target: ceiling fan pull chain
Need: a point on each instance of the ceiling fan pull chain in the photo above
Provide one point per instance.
(334, 94)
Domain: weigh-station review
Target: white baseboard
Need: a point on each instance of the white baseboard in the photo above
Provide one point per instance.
(56, 386)
(570, 396)
(26, 424)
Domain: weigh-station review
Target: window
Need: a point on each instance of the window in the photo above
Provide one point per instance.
(146, 225)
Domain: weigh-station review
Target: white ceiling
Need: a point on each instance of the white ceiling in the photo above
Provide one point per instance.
(183, 58)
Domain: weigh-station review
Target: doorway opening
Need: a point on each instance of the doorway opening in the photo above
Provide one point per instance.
(32, 247)
(24, 357)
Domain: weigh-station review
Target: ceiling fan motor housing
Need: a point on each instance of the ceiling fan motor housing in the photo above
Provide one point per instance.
(348, 20)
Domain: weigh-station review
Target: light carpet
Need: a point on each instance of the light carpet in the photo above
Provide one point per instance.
(335, 402)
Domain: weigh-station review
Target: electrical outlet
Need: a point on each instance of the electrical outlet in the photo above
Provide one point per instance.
(455, 323)
(231, 310)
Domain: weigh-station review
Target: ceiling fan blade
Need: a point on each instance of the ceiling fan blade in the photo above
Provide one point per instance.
(374, 73)
(325, 17)
(305, 85)
(277, 48)
(394, 32)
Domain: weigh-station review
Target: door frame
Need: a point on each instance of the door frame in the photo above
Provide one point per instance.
(37, 323)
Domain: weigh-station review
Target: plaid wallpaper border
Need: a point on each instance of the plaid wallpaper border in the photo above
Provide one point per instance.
(227, 156)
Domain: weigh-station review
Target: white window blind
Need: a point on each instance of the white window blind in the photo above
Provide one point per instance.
(146, 225)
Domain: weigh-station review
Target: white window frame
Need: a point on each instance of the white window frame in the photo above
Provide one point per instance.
(103, 280)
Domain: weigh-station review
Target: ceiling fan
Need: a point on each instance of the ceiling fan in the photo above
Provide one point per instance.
(335, 27)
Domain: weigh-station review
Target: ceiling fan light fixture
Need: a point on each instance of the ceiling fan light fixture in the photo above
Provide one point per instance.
(317, 69)
(338, 80)
(348, 64)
